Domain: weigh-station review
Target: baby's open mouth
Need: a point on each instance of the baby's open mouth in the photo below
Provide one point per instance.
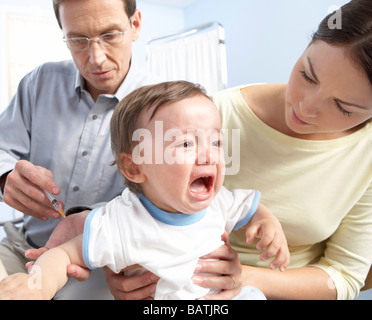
(202, 185)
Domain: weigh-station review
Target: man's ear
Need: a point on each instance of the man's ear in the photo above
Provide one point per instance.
(136, 25)
(129, 169)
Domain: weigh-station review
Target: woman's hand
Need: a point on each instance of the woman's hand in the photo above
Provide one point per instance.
(227, 277)
(227, 270)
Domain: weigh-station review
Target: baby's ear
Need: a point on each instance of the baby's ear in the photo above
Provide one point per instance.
(130, 170)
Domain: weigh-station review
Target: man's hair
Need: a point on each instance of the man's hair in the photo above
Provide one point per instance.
(129, 6)
(124, 121)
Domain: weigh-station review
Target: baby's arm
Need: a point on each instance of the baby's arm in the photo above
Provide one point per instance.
(47, 276)
(265, 226)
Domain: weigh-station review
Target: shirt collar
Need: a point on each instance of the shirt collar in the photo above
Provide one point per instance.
(174, 219)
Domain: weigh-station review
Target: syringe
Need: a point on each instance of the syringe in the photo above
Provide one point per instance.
(55, 203)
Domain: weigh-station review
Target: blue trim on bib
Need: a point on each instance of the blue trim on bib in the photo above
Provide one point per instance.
(173, 219)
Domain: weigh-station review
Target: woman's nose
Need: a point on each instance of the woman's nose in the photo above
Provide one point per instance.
(309, 107)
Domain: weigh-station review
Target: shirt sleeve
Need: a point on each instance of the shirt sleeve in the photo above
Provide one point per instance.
(15, 144)
(101, 246)
(239, 205)
(251, 202)
(87, 238)
(348, 254)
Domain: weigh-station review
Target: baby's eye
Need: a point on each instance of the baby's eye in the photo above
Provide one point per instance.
(188, 144)
(217, 144)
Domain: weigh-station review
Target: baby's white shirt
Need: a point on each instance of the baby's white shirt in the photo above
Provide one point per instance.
(130, 230)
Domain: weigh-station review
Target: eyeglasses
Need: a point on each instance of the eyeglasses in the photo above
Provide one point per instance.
(106, 40)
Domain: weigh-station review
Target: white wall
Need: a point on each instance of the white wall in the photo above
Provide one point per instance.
(29, 36)
(264, 38)
(29, 51)
(157, 21)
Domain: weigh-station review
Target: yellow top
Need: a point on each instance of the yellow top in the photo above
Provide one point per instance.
(3, 273)
(320, 191)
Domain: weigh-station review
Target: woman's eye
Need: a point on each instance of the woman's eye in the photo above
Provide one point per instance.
(342, 110)
(307, 78)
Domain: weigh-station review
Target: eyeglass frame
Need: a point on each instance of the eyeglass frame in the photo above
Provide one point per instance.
(98, 39)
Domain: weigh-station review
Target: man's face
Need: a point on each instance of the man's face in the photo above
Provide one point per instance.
(103, 67)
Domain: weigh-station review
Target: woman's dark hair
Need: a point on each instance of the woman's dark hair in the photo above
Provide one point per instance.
(354, 33)
(130, 7)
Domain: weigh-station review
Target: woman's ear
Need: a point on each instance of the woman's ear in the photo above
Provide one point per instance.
(130, 170)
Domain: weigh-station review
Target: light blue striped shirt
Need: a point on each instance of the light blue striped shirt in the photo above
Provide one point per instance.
(54, 123)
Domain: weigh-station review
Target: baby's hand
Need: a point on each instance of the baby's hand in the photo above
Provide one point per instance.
(266, 227)
(20, 286)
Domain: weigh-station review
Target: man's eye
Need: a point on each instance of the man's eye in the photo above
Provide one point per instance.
(109, 36)
(78, 41)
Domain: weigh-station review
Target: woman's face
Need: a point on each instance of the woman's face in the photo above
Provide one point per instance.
(328, 96)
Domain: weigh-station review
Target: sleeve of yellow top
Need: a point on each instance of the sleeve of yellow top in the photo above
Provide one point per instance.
(348, 255)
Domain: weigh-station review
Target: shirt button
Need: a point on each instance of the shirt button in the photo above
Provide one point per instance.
(76, 189)
(84, 153)
(95, 117)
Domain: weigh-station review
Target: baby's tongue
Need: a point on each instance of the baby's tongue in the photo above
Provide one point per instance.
(198, 186)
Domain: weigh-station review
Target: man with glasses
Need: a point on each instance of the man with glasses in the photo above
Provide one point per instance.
(55, 135)
(55, 132)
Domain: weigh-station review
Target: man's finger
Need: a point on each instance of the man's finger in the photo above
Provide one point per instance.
(77, 272)
(35, 253)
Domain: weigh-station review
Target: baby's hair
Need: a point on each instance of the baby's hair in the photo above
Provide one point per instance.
(124, 121)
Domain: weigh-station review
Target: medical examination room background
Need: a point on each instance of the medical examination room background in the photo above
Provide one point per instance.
(264, 38)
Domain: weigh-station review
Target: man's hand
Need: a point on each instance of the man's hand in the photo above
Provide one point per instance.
(22, 190)
(138, 287)
(66, 230)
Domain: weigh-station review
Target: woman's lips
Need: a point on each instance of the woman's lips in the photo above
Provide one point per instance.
(297, 119)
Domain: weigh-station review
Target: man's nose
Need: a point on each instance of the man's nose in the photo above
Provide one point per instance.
(97, 54)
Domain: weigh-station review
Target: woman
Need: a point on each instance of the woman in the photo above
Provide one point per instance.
(306, 146)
